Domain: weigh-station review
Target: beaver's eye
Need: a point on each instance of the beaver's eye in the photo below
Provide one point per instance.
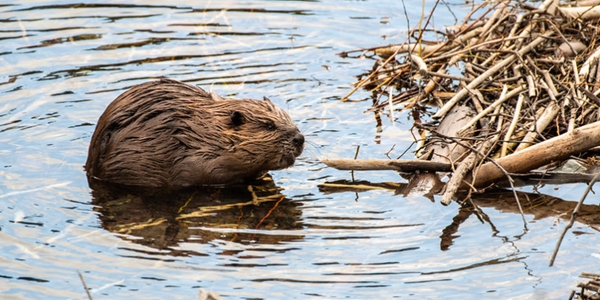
(270, 126)
(237, 118)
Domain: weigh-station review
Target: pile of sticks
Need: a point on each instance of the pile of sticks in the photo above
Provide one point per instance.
(538, 66)
(589, 290)
(526, 78)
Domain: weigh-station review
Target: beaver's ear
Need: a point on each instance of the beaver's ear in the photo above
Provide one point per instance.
(215, 97)
(266, 99)
(237, 119)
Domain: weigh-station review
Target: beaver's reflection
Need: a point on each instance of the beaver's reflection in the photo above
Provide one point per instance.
(162, 220)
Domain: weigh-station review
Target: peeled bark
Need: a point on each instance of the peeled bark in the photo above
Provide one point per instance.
(400, 165)
(555, 149)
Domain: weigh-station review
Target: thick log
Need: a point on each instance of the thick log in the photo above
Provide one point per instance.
(555, 149)
(583, 12)
(450, 152)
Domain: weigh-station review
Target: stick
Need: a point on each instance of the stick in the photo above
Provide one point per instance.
(87, 291)
(585, 12)
(433, 82)
(401, 165)
(411, 47)
(465, 166)
(555, 149)
(584, 71)
(494, 21)
(542, 122)
(419, 63)
(573, 216)
(512, 126)
(360, 84)
(486, 111)
(481, 78)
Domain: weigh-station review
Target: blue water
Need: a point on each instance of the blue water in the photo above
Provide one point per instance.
(61, 63)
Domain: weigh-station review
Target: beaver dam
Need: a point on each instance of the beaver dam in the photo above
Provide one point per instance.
(507, 97)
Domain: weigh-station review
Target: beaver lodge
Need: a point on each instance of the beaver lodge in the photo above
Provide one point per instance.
(511, 93)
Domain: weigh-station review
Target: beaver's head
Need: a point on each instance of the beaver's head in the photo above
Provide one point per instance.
(250, 137)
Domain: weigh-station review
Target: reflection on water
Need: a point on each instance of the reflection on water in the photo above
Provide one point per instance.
(538, 205)
(238, 214)
(63, 62)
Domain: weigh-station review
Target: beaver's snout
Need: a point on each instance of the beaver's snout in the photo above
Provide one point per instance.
(298, 142)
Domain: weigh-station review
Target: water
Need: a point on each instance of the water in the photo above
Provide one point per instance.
(62, 63)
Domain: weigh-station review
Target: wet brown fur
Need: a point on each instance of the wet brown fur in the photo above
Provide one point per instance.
(167, 133)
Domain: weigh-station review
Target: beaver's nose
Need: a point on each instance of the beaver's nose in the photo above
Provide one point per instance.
(298, 142)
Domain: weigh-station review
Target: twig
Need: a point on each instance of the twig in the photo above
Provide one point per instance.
(87, 291)
(505, 62)
(572, 220)
(493, 106)
(466, 165)
(548, 114)
(360, 84)
(513, 125)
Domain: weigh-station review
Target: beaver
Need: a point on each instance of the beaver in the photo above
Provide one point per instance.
(168, 134)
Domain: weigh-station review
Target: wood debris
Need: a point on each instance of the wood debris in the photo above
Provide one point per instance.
(589, 290)
(528, 76)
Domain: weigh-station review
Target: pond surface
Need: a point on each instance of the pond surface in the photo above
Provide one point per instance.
(63, 62)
